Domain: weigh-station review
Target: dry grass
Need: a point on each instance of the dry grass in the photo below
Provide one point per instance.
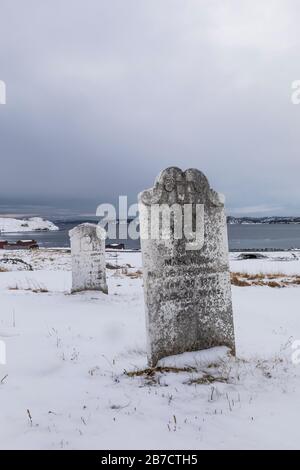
(152, 375)
(150, 372)
(236, 280)
(38, 290)
(275, 280)
(133, 275)
(207, 379)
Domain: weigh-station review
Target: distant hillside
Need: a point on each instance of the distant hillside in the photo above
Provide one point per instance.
(263, 220)
(34, 224)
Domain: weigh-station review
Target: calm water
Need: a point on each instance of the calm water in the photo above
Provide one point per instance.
(264, 236)
(240, 236)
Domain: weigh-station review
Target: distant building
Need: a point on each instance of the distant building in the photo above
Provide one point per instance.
(19, 245)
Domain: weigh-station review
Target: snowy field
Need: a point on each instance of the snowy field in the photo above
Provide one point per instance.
(74, 374)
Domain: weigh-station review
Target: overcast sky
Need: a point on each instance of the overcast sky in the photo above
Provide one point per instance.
(103, 94)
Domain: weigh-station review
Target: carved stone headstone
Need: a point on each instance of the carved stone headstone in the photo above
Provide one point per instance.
(88, 258)
(186, 267)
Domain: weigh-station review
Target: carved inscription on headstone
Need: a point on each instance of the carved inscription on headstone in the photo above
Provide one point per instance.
(186, 267)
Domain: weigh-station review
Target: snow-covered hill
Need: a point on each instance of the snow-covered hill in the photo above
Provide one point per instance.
(34, 224)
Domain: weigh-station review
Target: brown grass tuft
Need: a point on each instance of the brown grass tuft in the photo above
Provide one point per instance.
(158, 370)
(135, 275)
(207, 379)
(237, 281)
(276, 280)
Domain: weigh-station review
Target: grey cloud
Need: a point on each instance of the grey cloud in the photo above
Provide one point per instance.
(103, 94)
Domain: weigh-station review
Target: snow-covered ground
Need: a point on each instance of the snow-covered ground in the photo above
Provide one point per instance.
(73, 375)
(286, 262)
(9, 225)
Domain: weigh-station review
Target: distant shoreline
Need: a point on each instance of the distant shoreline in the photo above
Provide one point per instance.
(262, 220)
(231, 220)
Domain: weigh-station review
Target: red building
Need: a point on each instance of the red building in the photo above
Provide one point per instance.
(19, 245)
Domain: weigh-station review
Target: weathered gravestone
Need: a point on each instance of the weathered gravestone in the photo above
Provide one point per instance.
(88, 258)
(186, 272)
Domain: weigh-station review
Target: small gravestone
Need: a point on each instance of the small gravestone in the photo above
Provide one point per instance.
(186, 265)
(88, 258)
